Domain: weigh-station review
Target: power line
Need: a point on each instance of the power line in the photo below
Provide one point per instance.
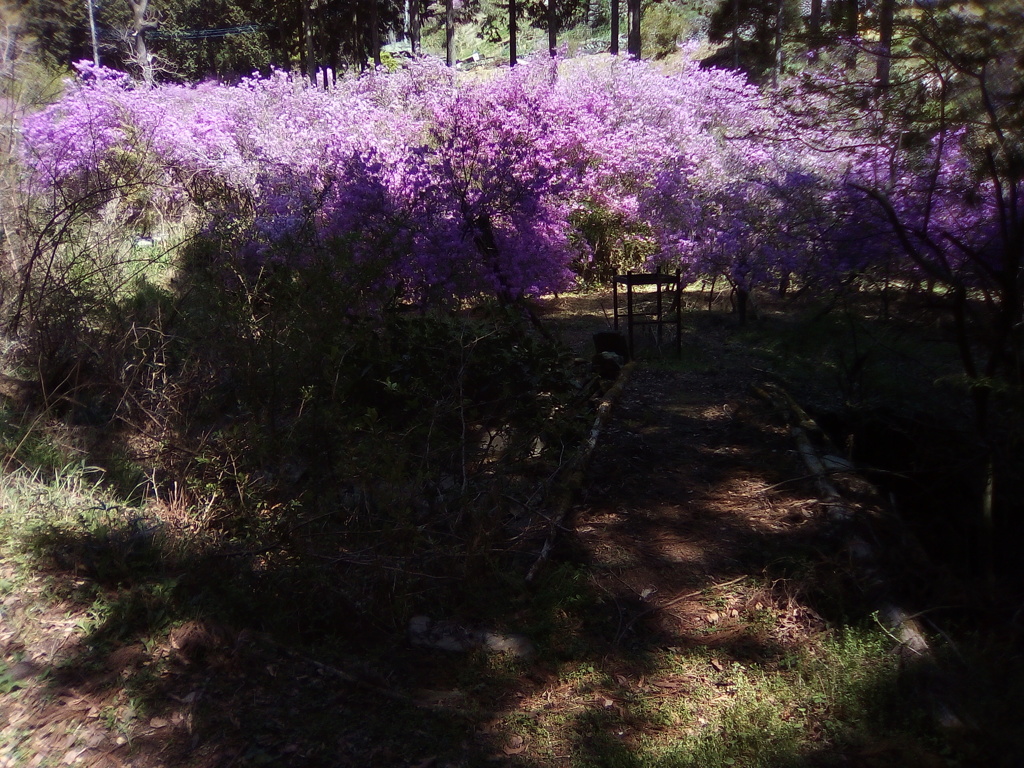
(205, 34)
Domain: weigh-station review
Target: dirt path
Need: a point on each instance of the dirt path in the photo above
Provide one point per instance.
(695, 483)
(682, 497)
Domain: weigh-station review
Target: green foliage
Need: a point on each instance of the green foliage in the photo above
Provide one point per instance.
(665, 25)
(614, 245)
(749, 30)
(187, 54)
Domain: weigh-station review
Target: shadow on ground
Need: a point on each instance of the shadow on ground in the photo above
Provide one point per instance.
(698, 559)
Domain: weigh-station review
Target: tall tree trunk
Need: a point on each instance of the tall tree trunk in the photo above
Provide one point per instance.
(141, 25)
(414, 26)
(552, 28)
(307, 40)
(92, 35)
(777, 54)
(449, 32)
(614, 47)
(886, 16)
(814, 30)
(375, 32)
(742, 302)
(358, 52)
(851, 26)
(814, 23)
(634, 29)
(736, 34)
(513, 15)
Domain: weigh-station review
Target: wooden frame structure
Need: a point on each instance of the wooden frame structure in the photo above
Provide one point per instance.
(664, 307)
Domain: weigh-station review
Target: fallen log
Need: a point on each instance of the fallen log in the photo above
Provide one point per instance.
(576, 469)
(917, 658)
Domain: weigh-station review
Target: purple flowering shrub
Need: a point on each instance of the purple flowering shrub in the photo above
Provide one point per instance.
(415, 187)
(420, 188)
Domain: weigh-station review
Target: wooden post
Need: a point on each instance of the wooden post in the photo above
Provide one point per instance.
(657, 303)
(679, 314)
(615, 302)
(629, 310)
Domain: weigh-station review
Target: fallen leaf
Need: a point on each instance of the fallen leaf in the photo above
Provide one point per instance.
(717, 665)
(713, 618)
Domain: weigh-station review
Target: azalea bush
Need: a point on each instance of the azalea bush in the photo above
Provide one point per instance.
(413, 188)
(425, 190)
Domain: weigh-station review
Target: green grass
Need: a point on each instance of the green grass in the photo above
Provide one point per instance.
(836, 696)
